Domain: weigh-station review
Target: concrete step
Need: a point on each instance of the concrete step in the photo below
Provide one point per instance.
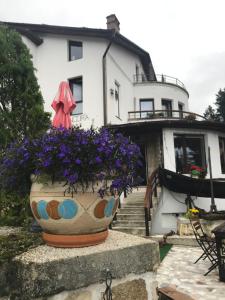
(135, 231)
(131, 210)
(129, 223)
(134, 198)
(131, 203)
(135, 217)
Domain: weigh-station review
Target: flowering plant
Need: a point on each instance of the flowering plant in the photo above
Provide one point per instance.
(77, 156)
(192, 213)
(197, 171)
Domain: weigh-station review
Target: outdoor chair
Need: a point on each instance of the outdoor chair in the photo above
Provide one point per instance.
(207, 244)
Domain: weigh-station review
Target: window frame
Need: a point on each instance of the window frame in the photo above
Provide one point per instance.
(77, 44)
(117, 98)
(222, 165)
(71, 81)
(146, 100)
(203, 148)
(181, 111)
(167, 112)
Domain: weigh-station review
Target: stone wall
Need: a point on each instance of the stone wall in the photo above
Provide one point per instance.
(132, 287)
(53, 273)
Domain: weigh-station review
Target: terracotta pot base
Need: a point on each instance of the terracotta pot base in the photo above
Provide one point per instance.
(74, 241)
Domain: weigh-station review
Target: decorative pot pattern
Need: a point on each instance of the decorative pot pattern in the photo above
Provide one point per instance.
(83, 213)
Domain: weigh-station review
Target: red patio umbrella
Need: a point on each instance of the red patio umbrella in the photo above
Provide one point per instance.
(63, 104)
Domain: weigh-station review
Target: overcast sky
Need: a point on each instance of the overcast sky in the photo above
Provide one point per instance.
(185, 38)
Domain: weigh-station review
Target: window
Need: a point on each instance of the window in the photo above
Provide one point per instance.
(181, 108)
(189, 150)
(117, 98)
(146, 108)
(222, 153)
(77, 91)
(137, 73)
(167, 107)
(75, 50)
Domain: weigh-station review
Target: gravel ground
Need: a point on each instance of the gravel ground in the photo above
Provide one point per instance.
(115, 240)
(7, 230)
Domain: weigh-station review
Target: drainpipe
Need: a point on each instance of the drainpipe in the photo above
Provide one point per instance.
(104, 73)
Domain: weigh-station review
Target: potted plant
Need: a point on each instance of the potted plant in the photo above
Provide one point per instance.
(77, 176)
(197, 172)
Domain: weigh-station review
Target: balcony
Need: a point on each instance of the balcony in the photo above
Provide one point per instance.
(160, 78)
(148, 115)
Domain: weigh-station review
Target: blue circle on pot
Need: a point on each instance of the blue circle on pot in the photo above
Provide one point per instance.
(67, 209)
(109, 207)
(41, 208)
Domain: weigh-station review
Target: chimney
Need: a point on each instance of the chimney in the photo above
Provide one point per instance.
(113, 23)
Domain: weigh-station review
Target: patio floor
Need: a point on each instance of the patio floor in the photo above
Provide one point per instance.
(177, 270)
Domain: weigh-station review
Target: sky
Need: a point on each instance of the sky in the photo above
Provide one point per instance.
(185, 38)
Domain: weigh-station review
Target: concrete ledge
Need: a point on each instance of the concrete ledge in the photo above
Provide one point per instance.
(46, 271)
(177, 240)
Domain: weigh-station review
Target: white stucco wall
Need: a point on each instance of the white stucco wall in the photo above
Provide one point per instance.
(172, 204)
(53, 66)
(32, 48)
(159, 91)
(211, 139)
(121, 67)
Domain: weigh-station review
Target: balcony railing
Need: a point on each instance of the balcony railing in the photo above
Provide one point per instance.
(163, 114)
(141, 78)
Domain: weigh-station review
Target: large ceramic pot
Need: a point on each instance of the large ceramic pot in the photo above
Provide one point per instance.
(78, 221)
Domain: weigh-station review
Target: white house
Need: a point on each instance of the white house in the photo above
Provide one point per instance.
(114, 83)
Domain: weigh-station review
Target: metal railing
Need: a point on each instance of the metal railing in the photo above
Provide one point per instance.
(151, 189)
(140, 78)
(163, 114)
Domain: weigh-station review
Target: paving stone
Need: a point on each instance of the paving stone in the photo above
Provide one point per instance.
(178, 269)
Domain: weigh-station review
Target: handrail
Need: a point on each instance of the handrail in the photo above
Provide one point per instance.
(151, 189)
(163, 114)
(139, 78)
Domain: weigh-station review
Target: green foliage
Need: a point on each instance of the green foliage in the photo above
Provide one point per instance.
(15, 244)
(217, 114)
(211, 114)
(14, 210)
(21, 103)
(220, 104)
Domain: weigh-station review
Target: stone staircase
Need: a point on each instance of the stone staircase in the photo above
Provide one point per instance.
(130, 217)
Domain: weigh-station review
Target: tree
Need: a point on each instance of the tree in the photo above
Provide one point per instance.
(211, 114)
(21, 102)
(217, 113)
(220, 105)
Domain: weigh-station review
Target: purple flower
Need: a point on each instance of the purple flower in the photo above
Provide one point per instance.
(73, 178)
(98, 160)
(78, 161)
(118, 163)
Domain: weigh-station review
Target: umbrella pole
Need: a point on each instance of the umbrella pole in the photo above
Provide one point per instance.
(213, 207)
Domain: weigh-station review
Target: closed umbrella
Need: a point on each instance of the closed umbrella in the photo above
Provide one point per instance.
(63, 104)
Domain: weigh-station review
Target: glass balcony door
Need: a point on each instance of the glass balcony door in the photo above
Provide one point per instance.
(146, 108)
(167, 107)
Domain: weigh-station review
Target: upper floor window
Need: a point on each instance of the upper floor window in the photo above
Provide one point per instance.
(75, 50)
(189, 150)
(137, 73)
(146, 108)
(181, 108)
(167, 107)
(76, 86)
(117, 98)
(222, 153)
